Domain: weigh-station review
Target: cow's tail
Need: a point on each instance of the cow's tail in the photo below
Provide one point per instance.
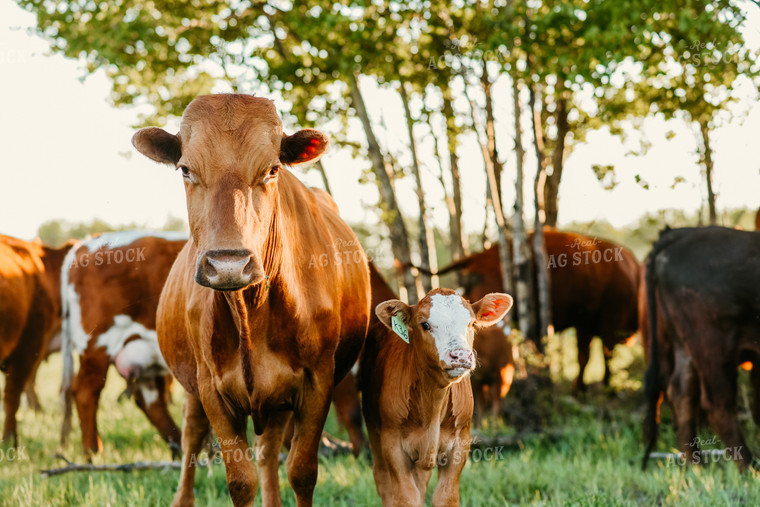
(653, 389)
(457, 265)
(66, 343)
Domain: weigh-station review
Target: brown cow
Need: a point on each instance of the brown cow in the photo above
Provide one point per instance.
(594, 288)
(110, 289)
(30, 307)
(417, 398)
(703, 295)
(251, 321)
(492, 378)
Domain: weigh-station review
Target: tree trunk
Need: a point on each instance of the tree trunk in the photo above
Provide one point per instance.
(323, 173)
(447, 197)
(708, 161)
(398, 233)
(543, 279)
(551, 189)
(485, 81)
(428, 260)
(504, 250)
(523, 274)
(459, 247)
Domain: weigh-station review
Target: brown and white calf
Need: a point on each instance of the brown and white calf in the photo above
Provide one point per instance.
(417, 399)
(110, 287)
(30, 310)
(247, 324)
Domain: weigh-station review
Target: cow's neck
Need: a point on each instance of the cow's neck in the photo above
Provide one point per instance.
(250, 300)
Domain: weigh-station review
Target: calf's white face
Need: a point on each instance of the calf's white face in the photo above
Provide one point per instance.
(451, 323)
(443, 325)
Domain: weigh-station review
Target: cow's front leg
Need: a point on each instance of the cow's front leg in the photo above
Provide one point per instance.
(194, 431)
(309, 416)
(230, 429)
(268, 447)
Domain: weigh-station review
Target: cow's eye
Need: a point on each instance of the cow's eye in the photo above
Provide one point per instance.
(273, 171)
(425, 326)
(185, 172)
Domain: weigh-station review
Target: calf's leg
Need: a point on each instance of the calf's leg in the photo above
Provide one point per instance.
(446, 492)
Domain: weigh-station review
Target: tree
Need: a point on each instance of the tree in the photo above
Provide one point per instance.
(692, 60)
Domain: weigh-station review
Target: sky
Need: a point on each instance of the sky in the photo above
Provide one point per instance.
(65, 153)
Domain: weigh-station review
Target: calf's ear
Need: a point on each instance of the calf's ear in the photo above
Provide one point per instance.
(492, 308)
(303, 146)
(385, 312)
(159, 145)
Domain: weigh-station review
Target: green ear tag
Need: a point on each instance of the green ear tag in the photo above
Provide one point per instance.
(400, 328)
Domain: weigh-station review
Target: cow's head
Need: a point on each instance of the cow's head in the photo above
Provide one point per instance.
(442, 326)
(230, 151)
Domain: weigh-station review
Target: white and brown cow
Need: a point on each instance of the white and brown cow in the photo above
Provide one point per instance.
(245, 323)
(416, 394)
(110, 287)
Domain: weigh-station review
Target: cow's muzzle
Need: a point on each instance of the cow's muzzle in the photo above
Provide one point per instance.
(459, 362)
(228, 269)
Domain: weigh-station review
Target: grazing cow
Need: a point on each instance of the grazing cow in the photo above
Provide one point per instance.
(110, 286)
(416, 394)
(267, 305)
(594, 288)
(492, 378)
(703, 295)
(30, 308)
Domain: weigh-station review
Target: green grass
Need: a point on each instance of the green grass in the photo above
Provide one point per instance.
(587, 453)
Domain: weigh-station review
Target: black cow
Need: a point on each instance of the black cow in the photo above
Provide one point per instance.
(703, 298)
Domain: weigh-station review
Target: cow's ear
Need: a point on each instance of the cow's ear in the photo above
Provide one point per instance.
(492, 308)
(303, 146)
(385, 312)
(159, 145)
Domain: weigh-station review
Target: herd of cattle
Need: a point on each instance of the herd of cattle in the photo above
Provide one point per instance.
(239, 316)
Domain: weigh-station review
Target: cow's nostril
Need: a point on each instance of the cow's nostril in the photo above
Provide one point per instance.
(210, 269)
(249, 268)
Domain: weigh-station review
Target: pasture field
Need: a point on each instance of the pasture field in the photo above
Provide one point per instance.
(586, 453)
